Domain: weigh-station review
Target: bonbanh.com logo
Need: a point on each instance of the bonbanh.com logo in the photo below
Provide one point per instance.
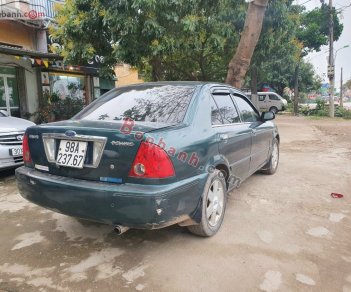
(32, 14)
(21, 10)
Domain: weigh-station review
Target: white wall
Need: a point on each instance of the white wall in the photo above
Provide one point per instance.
(30, 78)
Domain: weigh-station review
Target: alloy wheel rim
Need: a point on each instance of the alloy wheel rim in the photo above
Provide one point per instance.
(275, 156)
(215, 201)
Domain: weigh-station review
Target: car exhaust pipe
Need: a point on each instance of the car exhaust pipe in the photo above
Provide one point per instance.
(120, 229)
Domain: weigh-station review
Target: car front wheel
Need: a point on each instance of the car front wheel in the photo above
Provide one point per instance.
(214, 201)
(272, 165)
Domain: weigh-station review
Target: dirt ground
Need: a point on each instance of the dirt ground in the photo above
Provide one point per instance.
(280, 233)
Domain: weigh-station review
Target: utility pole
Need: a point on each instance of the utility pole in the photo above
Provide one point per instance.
(331, 68)
(341, 91)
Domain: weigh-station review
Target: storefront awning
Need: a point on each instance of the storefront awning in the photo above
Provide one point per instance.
(29, 53)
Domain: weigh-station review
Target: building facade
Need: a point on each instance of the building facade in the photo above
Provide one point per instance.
(30, 71)
(27, 67)
(126, 75)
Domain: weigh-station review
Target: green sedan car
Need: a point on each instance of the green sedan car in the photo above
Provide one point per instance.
(151, 155)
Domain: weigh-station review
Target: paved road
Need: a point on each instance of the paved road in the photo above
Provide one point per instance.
(280, 233)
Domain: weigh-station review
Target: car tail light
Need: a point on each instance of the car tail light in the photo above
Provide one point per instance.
(27, 159)
(151, 161)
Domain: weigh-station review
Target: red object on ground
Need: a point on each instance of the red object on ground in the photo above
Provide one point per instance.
(336, 196)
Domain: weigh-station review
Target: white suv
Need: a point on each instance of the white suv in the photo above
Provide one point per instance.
(270, 101)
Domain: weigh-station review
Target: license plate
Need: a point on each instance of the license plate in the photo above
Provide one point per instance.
(71, 153)
(16, 151)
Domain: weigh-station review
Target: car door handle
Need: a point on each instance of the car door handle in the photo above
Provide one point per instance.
(223, 137)
(254, 132)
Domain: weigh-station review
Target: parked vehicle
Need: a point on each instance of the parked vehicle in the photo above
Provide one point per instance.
(271, 101)
(11, 135)
(149, 156)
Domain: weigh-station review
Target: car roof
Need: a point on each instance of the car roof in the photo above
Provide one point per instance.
(197, 84)
(174, 83)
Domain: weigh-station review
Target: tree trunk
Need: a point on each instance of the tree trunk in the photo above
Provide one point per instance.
(156, 65)
(254, 96)
(240, 63)
(296, 89)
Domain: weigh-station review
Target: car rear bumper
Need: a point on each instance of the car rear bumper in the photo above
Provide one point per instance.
(130, 205)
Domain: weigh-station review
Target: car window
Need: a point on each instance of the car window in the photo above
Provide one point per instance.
(216, 118)
(261, 97)
(248, 114)
(273, 97)
(157, 104)
(227, 109)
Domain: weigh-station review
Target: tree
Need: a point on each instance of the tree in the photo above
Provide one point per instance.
(180, 39)
(313, 33)
(240, 63)
(276, 50)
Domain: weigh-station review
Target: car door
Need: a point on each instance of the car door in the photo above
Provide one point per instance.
(261, 132)
(262, 99)
(234, 136)
(275, 101)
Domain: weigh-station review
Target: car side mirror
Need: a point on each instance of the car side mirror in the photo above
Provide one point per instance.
(267, 116)
(4, 113)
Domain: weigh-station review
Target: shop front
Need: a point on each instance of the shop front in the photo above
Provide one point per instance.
(27, 76)
(63, 84)
(19, 79)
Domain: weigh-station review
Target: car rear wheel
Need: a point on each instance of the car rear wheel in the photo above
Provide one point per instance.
(214, 201)
(272, 165)
(273, 109)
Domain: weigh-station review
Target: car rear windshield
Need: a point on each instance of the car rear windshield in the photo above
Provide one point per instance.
(159, 104)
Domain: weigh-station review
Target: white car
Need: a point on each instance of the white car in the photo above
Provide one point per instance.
(271, 101)
(11, 136)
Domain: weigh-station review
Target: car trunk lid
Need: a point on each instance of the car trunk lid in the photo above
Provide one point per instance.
(110, 147)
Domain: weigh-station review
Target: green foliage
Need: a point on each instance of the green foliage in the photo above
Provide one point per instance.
(288, 34)
(190, 39)
(44, 112)
(51, 108)
(308, 80)
(276, 51)
(289, 107)
(65, 109)
(314, 29)
(166, 40)
(322, 110)
(342, 112)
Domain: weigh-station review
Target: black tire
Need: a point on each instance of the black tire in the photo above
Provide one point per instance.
(210, 224)
(274, 110)
(272, 165)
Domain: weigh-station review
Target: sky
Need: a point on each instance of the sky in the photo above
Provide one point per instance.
(343, 57)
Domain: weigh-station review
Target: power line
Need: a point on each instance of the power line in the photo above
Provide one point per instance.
(343, 7)
(306, 2)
